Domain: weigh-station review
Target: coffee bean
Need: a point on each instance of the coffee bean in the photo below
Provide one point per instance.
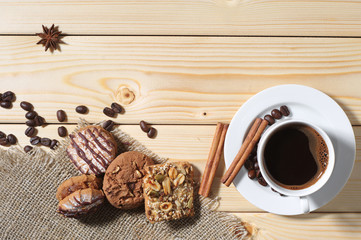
(109, 112)
(152, 132)
(251, 174)
(35, 140)
(45, 142)
(8, 96)
(262, 181)
(62, 132)
(144, 126)
(284, 110)
(269, 119)
(26, 106)
(1, 97)
(108, 125)
(28, 148)
(31, 115)
(248, 164)
(30, 123)
(116, 107)
(39, 121)
(30, 131)
(6, 104)
(254, 159)
(61, 115)
(53, 144)
(276, 114)
(81, 109)
(258, 174)
(2, 134)
(256, 166)
(4, 141)
(12, 139)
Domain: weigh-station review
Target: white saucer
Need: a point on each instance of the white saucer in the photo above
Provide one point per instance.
(304, 103)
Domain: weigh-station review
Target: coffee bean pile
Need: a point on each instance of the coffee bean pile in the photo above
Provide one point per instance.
(34, 120)
(113, 110)
(251, 163)
(151, 132)
(277, 114)
(6, 99)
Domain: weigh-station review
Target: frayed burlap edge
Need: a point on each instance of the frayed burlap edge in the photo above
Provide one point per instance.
(12, 159)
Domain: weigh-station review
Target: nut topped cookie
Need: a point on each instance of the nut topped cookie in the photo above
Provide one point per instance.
(168, 191)
(122, 183)
(91, 149)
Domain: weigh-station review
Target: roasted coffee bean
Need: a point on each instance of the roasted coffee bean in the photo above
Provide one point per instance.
(254, 159)
(81, 109)
(116, 107)
(251, 174)
(12, 139)
(284, 110)
(53, 144)
(31, 115)
(152, 132)
(1, 97)
(262, 181)
(62, 131)
(4, 141)
(45, 142)
(30, 131)
(109, 112)
(28, 148)
(144, 126)
(8, 96)
(61, 115)
(35, 140)
(108, 125)
(269, 119)
(276, 114)
(6, 104)
(39, 121)
(26, 106)
(255, 166)
(30, 123)
(248, 164)
(258, 174)
(2, 134)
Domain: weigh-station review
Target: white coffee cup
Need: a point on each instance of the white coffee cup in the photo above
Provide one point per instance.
(301, 193)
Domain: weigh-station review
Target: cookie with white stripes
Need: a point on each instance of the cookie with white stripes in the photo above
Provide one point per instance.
(92, 149)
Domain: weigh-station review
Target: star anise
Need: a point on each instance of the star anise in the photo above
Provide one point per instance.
(50, 38)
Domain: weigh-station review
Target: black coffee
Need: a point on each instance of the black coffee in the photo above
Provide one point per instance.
(296, 156)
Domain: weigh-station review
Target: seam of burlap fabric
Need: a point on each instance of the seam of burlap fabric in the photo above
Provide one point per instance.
(28, 204)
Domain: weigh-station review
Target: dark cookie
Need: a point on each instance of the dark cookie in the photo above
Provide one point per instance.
(122, 183)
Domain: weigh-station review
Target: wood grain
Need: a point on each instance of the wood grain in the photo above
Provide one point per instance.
(181, 17)
(320, 226)
(173, 80)
(191, 143)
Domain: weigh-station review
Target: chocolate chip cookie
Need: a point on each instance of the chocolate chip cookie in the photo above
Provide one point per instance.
(122, 183)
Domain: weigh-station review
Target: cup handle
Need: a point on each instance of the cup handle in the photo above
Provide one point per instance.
(305, 206)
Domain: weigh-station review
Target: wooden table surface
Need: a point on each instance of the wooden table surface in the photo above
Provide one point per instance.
(184, 66)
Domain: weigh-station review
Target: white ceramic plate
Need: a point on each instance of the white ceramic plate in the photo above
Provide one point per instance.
(304, 103)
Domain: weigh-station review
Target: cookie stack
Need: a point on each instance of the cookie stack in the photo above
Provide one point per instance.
(168, 188)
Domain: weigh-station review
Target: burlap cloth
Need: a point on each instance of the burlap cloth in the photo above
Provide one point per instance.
(28, 184)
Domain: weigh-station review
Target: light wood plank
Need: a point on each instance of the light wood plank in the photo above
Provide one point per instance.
(192, 143)
(181, 17)
(182, 80)
(318, 226)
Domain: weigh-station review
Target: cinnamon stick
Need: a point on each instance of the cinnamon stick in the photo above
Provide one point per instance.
(248, 150)
(243, 148)
(212, 153)
(216, 160)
